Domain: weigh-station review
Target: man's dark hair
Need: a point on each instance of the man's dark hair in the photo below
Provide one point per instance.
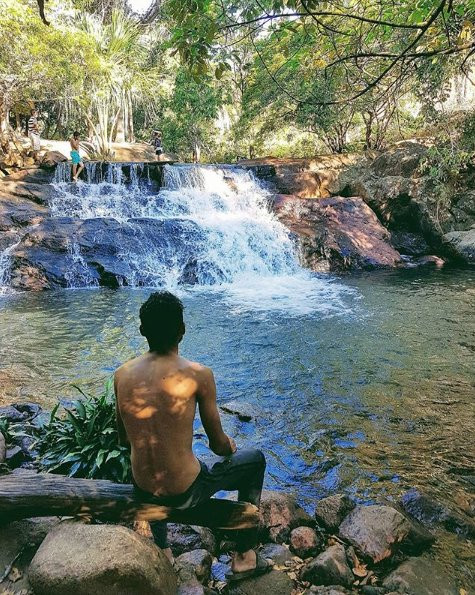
(33, 110)
(76, 134)
(161, 321)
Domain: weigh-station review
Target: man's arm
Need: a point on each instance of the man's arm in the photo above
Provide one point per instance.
(123, 441)
(219, 442)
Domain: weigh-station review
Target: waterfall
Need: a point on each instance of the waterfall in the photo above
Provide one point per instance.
(206, 226)
(5, 263)
(216, 221)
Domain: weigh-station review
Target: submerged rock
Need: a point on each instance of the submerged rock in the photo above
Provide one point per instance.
(338, 233)
(431, 512)
(329, 568)
(79, 559)
(243, 410)
(331, 511)
(280, 513)
(379, 531)
(420, 576)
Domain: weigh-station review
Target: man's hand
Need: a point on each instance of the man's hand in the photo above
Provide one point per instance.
(233, 445)
(219, 442)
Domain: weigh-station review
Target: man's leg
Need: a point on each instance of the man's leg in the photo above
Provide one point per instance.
(159, 532)
(242, 471)
(81, 167)
(74, 171)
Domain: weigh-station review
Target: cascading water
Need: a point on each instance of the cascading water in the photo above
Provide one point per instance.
(208, 226)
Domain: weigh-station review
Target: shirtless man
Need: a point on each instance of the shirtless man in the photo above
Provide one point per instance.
(75, 157)
(157, 394)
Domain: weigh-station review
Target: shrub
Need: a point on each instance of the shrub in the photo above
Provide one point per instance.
(84, 442)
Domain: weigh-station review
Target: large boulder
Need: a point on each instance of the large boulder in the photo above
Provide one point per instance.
(274, 582)
(79, 559)
(337, 233)
(51, 159)
(329, 568)
(279, 514)
(331, 511)
(379, 531)
(462, 243)
(420, 576)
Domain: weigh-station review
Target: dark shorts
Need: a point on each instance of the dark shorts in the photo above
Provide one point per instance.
(158, 151)
(243, 471)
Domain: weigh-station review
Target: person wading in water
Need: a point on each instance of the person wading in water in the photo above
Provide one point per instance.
(156, 397)
(75, 157)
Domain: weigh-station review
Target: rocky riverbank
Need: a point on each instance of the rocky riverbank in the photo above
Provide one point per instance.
(342, 547)
(345, 213)
(391, 203)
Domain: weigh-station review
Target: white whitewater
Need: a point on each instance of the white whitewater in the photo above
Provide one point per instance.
(218, 219)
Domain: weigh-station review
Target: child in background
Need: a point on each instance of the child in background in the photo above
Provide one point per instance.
(76, 158)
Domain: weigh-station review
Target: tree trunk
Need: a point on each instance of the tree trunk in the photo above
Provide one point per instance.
(29, 494)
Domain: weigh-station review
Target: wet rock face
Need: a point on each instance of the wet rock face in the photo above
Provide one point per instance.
(433, 513)
(337, 233)
(420, 576)
(380, 531)
(62, 252)
(78, 559)
(462, 243)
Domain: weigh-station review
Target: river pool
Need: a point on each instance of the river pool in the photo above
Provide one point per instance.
(363, 384)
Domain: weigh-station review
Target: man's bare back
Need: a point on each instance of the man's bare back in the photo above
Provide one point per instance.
(156, 399)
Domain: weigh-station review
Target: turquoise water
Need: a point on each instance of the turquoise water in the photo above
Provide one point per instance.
(369, 391)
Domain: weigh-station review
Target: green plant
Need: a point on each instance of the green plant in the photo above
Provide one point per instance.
(84, 442)
(11, 430)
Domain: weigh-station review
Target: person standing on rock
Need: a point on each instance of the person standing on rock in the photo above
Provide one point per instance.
(34, 133)
(75, 157)
(156, 396)
(156, 143)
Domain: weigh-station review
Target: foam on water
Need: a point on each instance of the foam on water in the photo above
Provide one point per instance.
(219, 234)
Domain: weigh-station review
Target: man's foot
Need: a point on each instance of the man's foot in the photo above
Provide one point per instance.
(75, 178)
(244, 561)
(243, 566)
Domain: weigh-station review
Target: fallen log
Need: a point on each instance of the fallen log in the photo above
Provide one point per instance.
(29, 494)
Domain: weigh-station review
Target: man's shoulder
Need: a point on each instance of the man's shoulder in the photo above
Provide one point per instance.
(197, 368)
(127, 366)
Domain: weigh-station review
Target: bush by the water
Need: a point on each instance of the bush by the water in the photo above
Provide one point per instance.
(84, 442)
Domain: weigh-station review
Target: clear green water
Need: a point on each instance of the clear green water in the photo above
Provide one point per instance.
(371, 397)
